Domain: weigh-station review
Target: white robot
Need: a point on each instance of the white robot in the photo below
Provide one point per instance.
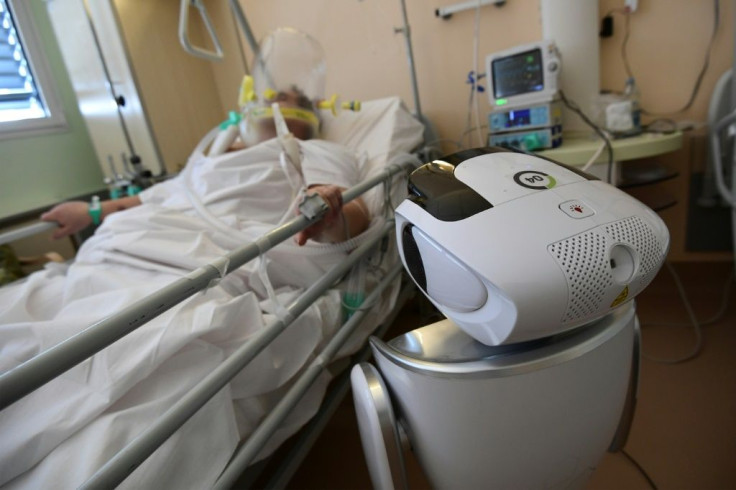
(533, 376)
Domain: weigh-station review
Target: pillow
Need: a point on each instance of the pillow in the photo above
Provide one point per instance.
(382, 127)
(381, 130)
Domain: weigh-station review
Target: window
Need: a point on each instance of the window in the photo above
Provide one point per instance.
(28, 102)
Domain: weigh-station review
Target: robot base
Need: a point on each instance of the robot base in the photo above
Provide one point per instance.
(539, 414)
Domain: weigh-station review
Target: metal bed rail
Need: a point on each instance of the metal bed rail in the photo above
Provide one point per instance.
(53, 362)
(34, 373)
(26, 231)
(248, 451)
(289, 464)
(135, 453)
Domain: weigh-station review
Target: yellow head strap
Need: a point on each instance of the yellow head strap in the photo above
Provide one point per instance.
(246, 94)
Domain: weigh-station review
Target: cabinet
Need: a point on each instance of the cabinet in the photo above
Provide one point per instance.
(654, 168)
(635, 169)
(641, 178)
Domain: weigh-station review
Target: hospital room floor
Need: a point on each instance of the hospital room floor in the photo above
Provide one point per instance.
(684, 430)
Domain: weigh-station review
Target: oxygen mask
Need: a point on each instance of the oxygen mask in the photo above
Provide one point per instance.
(288, 77)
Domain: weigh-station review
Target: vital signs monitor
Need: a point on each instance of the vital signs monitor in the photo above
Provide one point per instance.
(523, 75)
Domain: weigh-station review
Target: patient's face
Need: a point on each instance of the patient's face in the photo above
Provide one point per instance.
(300, 129)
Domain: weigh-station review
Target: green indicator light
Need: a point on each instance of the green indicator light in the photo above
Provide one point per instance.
(501, 101)
(530, 59)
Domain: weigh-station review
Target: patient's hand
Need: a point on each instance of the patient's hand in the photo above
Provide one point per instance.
(332, 228)
(332, 195)
(72, 216)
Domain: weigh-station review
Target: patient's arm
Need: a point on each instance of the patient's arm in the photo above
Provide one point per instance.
(332, 227)
(73, 216)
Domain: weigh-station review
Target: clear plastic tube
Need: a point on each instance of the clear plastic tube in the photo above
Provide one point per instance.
(224, 140)
(354, 295)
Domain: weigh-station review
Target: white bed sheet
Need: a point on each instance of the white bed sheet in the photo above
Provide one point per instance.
(60, 434)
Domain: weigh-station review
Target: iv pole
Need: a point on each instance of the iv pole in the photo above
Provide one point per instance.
(406, 30)
(427, 152)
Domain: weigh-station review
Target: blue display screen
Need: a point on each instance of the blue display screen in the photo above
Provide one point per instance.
(518, 118)
(517, 74)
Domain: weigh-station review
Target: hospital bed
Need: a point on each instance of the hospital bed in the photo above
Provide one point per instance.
(261, 387)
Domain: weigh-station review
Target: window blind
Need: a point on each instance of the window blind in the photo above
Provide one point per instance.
(19, 95)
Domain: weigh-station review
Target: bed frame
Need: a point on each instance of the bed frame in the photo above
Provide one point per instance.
(34, 373)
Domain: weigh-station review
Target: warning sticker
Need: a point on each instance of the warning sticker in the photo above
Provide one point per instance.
(621, 297)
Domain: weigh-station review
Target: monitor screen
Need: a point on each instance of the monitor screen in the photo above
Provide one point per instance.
(518, 118)
(518, 74)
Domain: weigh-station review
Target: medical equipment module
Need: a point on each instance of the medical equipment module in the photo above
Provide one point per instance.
(537, 116)
(528, 140)
(523, 93)
(535, 266)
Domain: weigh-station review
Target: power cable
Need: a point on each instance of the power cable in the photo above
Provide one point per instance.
(594, 157)
(473, 79)
(574, 107)
(476, 40)
(640, 468)
(629, 72)
(698, 81)
(713, 319)
(694, 322)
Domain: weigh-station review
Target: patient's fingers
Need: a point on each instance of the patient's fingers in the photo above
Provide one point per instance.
(332, 195)
(311, 232)
(302, 237)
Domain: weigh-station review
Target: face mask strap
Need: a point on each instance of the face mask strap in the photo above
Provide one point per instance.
(303, 115)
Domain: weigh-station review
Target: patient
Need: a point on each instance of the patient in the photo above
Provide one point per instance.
(61, 433)
(340, 223)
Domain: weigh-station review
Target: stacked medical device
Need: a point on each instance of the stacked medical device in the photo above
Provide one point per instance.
(526, 111)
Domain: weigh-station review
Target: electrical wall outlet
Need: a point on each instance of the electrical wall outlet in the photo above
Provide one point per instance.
(606, 26)
(631, 5)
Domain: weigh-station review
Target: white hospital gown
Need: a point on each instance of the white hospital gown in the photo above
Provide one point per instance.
(60, 434)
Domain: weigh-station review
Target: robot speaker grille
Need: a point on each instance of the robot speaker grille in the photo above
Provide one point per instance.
(586, 263)
(584, 260)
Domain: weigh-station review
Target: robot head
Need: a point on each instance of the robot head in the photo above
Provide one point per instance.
(513, 247)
